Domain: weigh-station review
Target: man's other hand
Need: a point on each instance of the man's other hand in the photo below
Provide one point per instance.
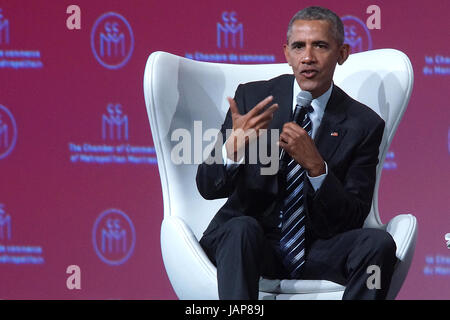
(299, 145)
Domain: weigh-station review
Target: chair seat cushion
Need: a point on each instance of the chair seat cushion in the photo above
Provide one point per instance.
(298, 286)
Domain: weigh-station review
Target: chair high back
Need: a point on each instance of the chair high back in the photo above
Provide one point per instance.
(185, 98)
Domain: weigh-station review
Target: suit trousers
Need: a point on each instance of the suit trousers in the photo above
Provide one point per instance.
(242, 253)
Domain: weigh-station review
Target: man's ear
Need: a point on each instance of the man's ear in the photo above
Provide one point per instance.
(286, 53)
(344, 52)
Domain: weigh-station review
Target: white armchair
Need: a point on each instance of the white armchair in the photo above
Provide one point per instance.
(179, 91)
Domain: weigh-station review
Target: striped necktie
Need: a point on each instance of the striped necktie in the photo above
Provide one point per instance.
(292, 241)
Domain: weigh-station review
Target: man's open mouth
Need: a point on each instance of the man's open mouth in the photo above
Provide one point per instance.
(309, 73)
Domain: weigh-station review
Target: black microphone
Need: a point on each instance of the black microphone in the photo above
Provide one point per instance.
(304, 99)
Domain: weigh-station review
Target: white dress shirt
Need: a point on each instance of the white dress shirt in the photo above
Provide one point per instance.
(319, 104)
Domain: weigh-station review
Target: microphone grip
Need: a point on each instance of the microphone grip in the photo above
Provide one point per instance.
(299, 113)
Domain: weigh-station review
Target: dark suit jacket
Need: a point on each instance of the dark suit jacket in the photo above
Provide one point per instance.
(343, 201)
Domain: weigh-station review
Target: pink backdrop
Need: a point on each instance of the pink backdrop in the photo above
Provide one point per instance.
(79, 183)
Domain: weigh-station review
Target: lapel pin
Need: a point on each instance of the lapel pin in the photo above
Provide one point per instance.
(334, 134)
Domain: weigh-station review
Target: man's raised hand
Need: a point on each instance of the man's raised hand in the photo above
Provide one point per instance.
(247, 127)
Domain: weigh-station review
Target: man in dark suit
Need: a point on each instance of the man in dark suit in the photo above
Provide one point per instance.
(337, 153)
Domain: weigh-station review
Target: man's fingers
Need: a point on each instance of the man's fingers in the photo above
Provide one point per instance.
(272, 109)
(294, 130)
(288, 133)
(267, 115)
(262, 125)
(233, 106)
(292, 126)
(282, 144)
(260, 106)
(285, 138)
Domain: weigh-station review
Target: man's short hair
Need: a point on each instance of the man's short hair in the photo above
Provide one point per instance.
(320, 13)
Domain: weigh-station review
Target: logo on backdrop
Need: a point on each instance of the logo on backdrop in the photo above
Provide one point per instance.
(4, 29)
(112, 144)
(230, 36)
(114, 123)
(15, 253)
(5, 224)
(113, 237)
(15, 58)
(8, 132)
(112, 40)
(389, 161)
(357, 35)
(230, 29)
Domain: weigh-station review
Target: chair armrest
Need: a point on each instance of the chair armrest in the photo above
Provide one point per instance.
(403, 228)
(191, 273)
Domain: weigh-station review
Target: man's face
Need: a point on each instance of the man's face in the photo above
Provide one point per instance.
(313, 52)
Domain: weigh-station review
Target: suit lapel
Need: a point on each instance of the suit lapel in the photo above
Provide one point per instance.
(282, 94)
(331, 130)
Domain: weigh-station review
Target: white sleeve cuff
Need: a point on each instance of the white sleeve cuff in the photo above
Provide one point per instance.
(316, 182)
(229, 164)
